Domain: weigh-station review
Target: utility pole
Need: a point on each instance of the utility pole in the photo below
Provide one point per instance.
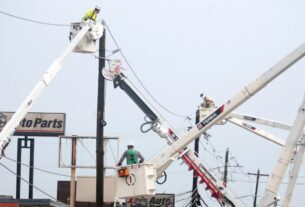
(225, 174)
(73, 172)
(195, 193)
(100, 123)
(257, 182)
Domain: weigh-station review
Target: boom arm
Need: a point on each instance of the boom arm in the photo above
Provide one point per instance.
(257, 131)
(263, 121)
(293, 175)
(178, 147)
(220, 113)
(45, 80)
(286, 154)
(162, 128)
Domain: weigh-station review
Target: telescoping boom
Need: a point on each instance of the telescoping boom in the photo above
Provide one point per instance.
(45, 80)
(177, 146)
(158, 124)
(220, 113)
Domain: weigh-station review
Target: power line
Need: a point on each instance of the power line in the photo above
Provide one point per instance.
(46, 171)
(111, 150)
(34, 21)
(127, 62)
(260, 182)
(133, 71)
(28, 182)
(84, 146)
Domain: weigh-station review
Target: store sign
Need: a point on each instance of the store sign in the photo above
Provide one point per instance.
(37, 124)
(159, 200)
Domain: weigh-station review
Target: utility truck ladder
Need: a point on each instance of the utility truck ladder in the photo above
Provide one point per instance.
(47, 77)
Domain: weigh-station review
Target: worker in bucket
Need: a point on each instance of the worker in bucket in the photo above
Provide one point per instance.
(91, 14)
(208, 102)
(132, 156)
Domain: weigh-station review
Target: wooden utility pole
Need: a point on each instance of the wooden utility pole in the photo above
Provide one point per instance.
(257, 182)
(225, 174)
(100, 123)
(195, 192)
(73, 172)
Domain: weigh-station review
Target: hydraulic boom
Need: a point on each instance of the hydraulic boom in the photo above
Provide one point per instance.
(178, 147)
(45, 80)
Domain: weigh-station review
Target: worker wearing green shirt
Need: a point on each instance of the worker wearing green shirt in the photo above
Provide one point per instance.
(92, 14)
(132, 156)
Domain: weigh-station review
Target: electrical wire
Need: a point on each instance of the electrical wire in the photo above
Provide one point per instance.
(28, 182)
(187, 202)
(82, 143)
(183, 199)
(34, 21)
(111, 150)
(35, 168)
(137, 77)
(205, 149)
(183, 193)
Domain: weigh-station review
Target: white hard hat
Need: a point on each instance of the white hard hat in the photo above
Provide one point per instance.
(208, 98)
(97, 8)
(130, 143)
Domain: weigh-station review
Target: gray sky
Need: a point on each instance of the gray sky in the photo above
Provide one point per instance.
(179, 49)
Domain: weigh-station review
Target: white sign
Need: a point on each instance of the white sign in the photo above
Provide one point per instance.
(158, 200)
(86, 189)
(37, 124)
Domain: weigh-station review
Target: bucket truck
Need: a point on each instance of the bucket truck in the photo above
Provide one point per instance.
(139, 179)
(159, 125)
(83, 36)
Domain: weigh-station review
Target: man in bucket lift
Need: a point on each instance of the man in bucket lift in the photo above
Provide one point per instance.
(92, 14)
(132, 156)
(208, 102)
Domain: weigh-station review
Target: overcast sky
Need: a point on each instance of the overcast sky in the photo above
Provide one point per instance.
(179, 49)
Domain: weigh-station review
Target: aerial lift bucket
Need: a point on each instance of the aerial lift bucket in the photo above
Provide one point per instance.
(136, 180)
(88, 42)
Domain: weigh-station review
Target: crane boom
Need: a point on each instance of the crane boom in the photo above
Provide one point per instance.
(262, 121)
(293, 175)
(163, 129)
(239, 122)
(223, 111)
(270, 195)
(178, 147)
(268, 136)
(45, 80)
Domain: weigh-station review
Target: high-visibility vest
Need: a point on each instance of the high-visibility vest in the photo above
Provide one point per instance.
(89, 15)
(132, 158)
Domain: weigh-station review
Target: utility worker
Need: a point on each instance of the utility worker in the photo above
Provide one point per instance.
(132, 156)
(92, 14)
(208, 102)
